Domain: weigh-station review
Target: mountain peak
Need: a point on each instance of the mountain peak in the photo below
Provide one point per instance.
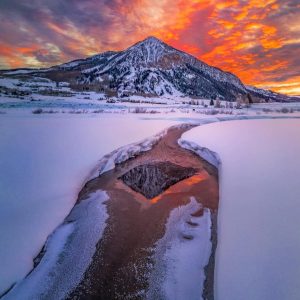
(148, 51)
(153, 67)
(152, 41)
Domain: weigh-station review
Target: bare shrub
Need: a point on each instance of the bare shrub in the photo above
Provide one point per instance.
(239, 102)
(218, 103)
(37, 111)
(139, 110)
(267, 110)
(211, 112)
(78, 111)
(50, 111)
(284, 110)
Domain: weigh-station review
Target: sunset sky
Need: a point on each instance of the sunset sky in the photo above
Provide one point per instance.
(258, 40)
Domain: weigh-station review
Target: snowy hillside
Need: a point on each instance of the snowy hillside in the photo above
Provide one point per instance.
(149, 68)
(154, 68)
(270, 95)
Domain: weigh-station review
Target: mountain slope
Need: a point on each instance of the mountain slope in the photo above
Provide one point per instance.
(269, 95)
(152, 67)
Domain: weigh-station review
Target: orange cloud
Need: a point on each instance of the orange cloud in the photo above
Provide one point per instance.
(290, 86)
(254, 39)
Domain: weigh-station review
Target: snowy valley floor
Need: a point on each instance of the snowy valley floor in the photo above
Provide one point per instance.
(258, 221)
(45, 159)
(44, 162)
(123, 261)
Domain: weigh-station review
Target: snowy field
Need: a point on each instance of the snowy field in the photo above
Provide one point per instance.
(30, 94)
(258, 222)
(44, 161)
(73, 241)
(179, 263)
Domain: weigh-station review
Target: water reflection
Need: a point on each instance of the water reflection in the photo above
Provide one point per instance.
(182, 186)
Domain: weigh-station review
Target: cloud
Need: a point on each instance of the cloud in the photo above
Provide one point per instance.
(257, 40)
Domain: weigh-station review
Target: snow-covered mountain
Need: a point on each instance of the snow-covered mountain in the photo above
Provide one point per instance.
(269, 95)
(152, 68)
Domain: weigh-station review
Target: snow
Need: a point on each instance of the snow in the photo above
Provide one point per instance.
(71, 64)
(190, 76)
(44, 161)
(33, 92)
(124, 153)
(144, 66)
(20, 71)
(210, 156)
(73, 241)
(258, 241)
(33, 84)
(9, 82)
(179, 263)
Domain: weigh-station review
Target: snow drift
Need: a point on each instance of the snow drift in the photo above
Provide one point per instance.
(258, 220)
(181, 255)
(67, 254)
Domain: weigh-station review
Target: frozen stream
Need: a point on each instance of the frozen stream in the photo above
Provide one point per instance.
(44, 159)
(259, 211)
